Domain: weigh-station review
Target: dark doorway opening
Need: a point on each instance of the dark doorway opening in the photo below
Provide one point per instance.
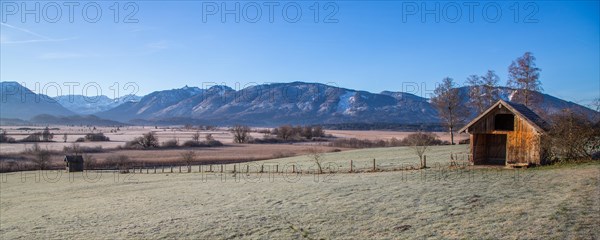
(495, 149)
(489, 149)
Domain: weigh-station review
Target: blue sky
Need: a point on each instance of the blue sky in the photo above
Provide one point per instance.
(366, 45)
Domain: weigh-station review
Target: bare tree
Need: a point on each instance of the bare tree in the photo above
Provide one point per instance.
(448, 101)
(47, 135)
(188, 157)
(420, 142)
(74, 149)
(196, 136)
(89, 161)
(490, 92)
(41, 157)
(317, 156)
(524, 76)
(209, 137)
(476, 95)
(148, 140)
(595, 104)
(240, 133)
(285, 132)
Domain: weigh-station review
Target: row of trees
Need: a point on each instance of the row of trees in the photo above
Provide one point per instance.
(150, 141)
(286, 133)
(523, 77)
(47, 136)
(44, 136)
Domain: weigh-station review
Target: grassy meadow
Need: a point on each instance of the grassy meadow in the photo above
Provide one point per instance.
(557, 202)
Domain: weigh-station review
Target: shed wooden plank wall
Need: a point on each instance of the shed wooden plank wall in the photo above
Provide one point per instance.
(523, 144)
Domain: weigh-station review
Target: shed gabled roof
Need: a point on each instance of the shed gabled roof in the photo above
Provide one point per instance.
(518, 109)
(73, 158)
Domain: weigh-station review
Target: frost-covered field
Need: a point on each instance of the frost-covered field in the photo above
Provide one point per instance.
(542, 203)
(362, 159)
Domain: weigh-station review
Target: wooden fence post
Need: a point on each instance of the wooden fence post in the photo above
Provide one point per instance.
(294, 168)
(247, 168)
(179, 168)
(234, 167)
(154, 169)
(171, 168)
(221, 168)
(424, 161)
(374, 167)
(210, 168)
(351, 167)
(277, 168)
(262, 168)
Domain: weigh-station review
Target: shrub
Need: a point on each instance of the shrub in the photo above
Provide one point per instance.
(267, 140)
(75, 149)
(356, 143)
(34, 137)
(80, 139)
(147, 141)
(213, 143)
(96, 137)
(192, 143)
(365, 143)
(571, 136)
(173, 143)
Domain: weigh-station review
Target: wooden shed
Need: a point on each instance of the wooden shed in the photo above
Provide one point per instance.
(74, 163)
(506, 134)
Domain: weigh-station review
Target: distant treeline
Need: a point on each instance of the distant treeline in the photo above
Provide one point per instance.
(429, 127)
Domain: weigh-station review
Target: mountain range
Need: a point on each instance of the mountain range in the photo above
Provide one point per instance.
(17, 101)
(89, 105)
(259, 105)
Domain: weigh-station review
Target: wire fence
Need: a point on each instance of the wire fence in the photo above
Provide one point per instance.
(349, 166)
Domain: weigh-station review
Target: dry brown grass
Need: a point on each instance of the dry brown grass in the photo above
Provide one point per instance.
(225, 154)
